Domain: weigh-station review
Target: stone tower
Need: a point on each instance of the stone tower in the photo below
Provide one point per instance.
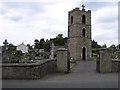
(79, 33)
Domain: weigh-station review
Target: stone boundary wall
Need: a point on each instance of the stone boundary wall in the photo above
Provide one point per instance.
(28, 70)
(115, 65)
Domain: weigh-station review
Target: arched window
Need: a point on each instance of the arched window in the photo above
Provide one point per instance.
(83, 19)
(71, 19)
(83, 32)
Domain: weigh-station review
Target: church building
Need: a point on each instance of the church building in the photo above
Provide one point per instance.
(79, 33)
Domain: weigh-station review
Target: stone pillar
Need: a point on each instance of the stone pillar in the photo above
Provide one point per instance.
(105, 60)
(63, 64)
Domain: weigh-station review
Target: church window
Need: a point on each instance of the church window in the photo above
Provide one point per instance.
(83, 32)
(83, 19)
(71, 19)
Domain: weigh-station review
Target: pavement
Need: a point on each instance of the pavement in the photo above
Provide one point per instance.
(83, 75)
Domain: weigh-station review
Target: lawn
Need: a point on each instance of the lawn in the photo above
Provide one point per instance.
(72, 64)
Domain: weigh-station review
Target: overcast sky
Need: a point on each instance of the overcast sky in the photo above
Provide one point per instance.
(25, 21)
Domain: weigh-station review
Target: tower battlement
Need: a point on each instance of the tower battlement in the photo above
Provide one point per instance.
(78, 9)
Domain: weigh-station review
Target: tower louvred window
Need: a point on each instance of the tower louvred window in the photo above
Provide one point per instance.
(71, 19)
(83, 19)
(83, 32)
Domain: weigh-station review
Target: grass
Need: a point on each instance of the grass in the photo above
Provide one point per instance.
(116, 54)
(94, 58)
(72, 64)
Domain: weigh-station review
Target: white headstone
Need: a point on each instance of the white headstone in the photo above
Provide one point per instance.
(52, 51)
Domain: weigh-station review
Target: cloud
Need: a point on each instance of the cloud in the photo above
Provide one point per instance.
(97, 5)
(27, 21)
(105, 24)
(106, 14)
(33, 6)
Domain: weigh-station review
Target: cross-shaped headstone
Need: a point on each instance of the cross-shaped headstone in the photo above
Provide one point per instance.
(83, 6)
(5, 54)
(5, 42)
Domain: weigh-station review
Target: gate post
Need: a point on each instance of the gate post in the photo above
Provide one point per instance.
(105, 60)
(63, 63)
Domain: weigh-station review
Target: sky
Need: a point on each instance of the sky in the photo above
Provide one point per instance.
(25, 21)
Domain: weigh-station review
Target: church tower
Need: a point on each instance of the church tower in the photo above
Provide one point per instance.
(79, 33)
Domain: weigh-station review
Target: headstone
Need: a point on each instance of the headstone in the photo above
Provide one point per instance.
(29, 54)
(5, 57)
(15, 60)
(52, 51)
(37, 52)
(37, 58)
(63, 60)
(41, 51)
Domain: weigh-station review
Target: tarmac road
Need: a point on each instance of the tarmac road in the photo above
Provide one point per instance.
(83, 75)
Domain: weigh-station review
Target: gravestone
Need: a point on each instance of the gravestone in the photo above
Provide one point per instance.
(15, 60)
(63, 60)
(52, 51)
(5, 56)
(37, 54)
(105, 60)
(30, 54)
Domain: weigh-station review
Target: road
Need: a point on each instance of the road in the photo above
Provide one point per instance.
(83, 75)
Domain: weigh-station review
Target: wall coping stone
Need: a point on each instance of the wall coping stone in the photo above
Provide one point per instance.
(37, 63)
(115, 60)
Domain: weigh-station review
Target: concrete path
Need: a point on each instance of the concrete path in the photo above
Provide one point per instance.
(83, 75)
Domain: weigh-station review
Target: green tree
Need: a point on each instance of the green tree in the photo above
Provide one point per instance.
(113, 47)
(47, 46)
(118, 46)
(36, 42)
(41, 43)
(95, 44)
(59, 36)
(11, 48)
(104, 46)
(59, 40)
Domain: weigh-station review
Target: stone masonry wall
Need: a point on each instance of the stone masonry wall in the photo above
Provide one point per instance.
(28, 71)
(115, 65)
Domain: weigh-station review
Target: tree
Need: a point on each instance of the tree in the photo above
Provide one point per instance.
(59, 36)
(104, 46)
(95, 44)
(41, 43)
(47, 46)
(113, 47)
(118, 46)
(36, 43)
(11, 48)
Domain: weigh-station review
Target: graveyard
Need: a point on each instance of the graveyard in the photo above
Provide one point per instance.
(76, 64)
